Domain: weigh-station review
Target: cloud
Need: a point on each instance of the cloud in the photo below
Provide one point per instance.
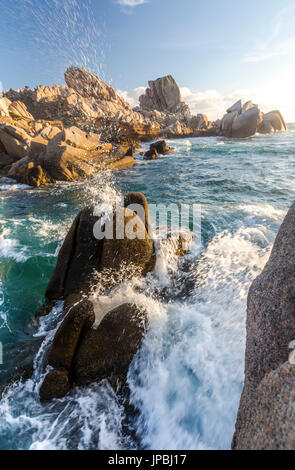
(131, 3)
(132, 96)
(273, 46)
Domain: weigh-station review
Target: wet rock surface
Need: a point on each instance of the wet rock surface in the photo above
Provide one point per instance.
(265, 417)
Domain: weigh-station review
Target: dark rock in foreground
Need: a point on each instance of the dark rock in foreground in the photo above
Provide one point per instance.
(79, 353)
(266, 417)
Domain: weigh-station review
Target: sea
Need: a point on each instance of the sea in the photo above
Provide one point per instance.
(186, 380)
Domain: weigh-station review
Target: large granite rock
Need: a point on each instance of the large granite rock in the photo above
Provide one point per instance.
(163, 95)
(272, 122)
(241, 121)
(79, 353)
(82, 255)
(267, 408)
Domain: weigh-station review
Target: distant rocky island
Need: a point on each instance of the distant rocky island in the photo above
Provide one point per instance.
(65, 133)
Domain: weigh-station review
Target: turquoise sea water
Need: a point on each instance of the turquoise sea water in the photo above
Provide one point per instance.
(192, 360)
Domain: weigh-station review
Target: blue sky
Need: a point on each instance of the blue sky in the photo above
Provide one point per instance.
(217, 51)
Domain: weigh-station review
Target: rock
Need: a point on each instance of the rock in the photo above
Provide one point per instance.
(55, 385)
(137, 253)
(131, 200)
(82, 255)
(78, 260)
(151, 155)
(163, 95)
(247, 123)
(88, 85)
(273, 120)
(248, 105)
(198, 122)
(106, 352)
(15, 140)
(19, 109)
(161, 147)
(268, 395)
(266, 127)
(59, 155)
(227, 123)
(28, 172)
(79, 318)
(4, 106)
(237, 107)
(73, 154)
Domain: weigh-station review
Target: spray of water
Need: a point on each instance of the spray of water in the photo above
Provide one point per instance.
(61, 33)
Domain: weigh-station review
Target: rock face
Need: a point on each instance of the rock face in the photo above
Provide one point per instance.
(246, 120)
(163, 95)
(267, 409)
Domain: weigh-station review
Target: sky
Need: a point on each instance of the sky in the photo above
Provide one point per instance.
(217, 51)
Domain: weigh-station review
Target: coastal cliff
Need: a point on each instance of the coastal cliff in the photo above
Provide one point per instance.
(267, 408)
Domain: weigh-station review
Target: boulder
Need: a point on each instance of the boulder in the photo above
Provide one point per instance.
(134, 250)
(19, 109)
(247, 123)
(28, 172)
(273, 120)
(266, 413)
(106, 352)
(227, 123)
(55, 385)
(15, 140)
(248, 105)
(131, 200)
(4, 106)
(198, 122)
(236, 107)
(79, 318)
(82, 255)
(243, 121)
(151, 155)
(161, 147)
(163, 95)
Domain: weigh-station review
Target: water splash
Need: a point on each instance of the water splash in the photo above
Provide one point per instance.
(61, 32)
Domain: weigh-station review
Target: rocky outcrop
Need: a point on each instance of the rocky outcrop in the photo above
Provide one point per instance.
(40, 153)
(246, 120)
(267, 408)
(94, 107)
(163, 95)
